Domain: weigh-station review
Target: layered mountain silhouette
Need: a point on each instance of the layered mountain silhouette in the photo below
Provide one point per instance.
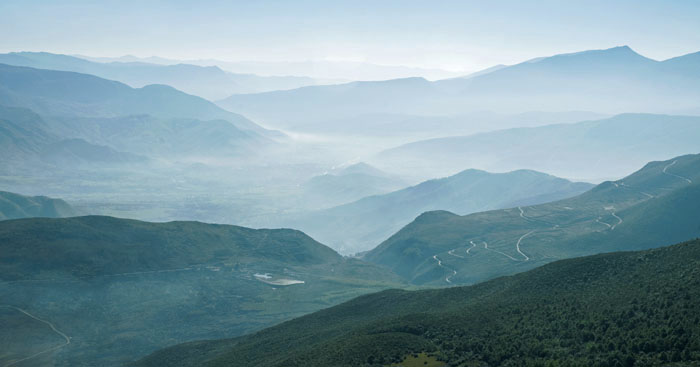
(591, 150)
(60, 93)
(361, 225)
(347, 184)
(205, 81)
(59, 114)
(615, 80)
(14, 206)
(28, 140)
(654, 206)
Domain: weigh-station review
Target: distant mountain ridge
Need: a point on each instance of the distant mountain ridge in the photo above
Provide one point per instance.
(209, 82)
(362, 224)
(28, 141)
(15, 206)
(61, 93)
(587, 150)
(347, 184)
(616, 80)
(329, 70)
(117, 123)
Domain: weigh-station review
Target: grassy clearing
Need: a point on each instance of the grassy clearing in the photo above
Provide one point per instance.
(419, 360)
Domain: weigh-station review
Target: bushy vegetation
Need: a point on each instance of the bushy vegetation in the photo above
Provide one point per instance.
(617, 309)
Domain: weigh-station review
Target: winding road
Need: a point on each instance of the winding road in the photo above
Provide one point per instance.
(517, 245)
(619, 221)
(675, 175)
(59, 332)
(447, 278)
(486, 246)
(601, 222)
(522, 213)
(626, 186)
(473, 245)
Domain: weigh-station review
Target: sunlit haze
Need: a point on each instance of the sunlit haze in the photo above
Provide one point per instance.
(455, 36)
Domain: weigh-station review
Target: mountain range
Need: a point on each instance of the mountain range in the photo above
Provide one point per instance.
(29, 141)
(593, 150)
(55, 113)
(359, 226)
(346, 184)
(325, 70)
(15, 206)
(208, 82)
(612, 81)
(654, 206)
(61, 93)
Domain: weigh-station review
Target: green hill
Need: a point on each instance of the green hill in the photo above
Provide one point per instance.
(123, 288)
(656, 205)
(362, 224)
(616, 309)
(14, 206)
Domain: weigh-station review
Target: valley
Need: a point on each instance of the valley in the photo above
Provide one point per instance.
(349, 184)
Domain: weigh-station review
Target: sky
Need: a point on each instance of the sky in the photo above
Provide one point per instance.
(452, 35)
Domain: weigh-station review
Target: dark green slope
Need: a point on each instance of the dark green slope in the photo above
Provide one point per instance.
(616, 309)
(646, 209)
(95, 245)
(124, 288)
(14, 206)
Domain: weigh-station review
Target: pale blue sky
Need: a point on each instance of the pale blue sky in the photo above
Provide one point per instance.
(458, 35)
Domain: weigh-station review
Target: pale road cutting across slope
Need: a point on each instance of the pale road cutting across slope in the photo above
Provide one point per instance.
(473, 245)
(619, 221)
(451, 252)
(517, 245)
(66, 337)
(447, 279)
(626, 186)
(675, 175)
(601, 222)
(486, 246)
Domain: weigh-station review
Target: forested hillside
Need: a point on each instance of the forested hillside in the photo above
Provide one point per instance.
(618, 309)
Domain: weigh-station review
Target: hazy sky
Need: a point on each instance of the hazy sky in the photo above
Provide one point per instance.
(458, 35)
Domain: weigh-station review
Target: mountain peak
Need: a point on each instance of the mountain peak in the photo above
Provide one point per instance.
(618, 53)
(613, 51)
